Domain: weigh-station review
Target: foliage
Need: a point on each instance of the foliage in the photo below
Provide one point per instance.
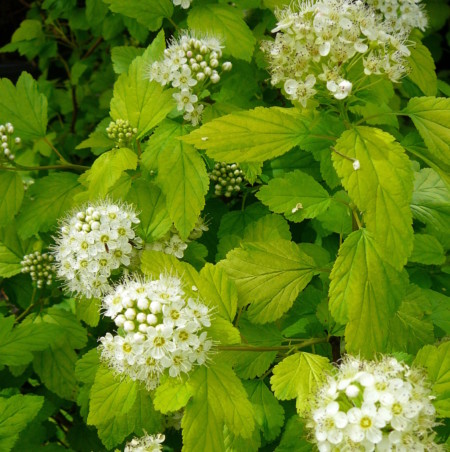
(310, 218)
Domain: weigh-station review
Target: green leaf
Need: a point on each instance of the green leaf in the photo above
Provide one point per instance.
(110, 396)
(250, 136)
(431, 116)
(12, 251)
(107, 169)
(172, 395)
(184, 181)
(11, 195)
(440, 307)
(375, 114)
(423, 70)
(17, 345)
(150, 201)
(24, 107)
(122, 56)
(427, 250)
(86, 367)
(436, 361)
(298, 376)
(236, 222)
(365, 292)
(294, 437)
(409, 329)
(278, 266)
(253, 364)
(227, 23)
(218, 291)
(149, 13)
(218, 398)
(381, 188)
(268, 228)
(163, 136)
(296, 195)
(143, 103)
(76, 334)
(338, 217)
(153, 263)
(269, 414)
(49, 198)
(235, 443)
(15, 413)
(56, 369)
(88, 310)
(431, 200)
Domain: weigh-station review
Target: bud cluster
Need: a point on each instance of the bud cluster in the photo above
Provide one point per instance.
(229, 179)
(121, 132)
(7, 141)
(41, 268)
(374, 405)
(189, 65)
(401, 14)
(146, 443)
(93, 241)
(171, 243)
(161, 329)
(322, 40)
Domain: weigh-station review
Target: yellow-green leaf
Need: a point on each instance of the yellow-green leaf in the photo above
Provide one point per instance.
(381, 188)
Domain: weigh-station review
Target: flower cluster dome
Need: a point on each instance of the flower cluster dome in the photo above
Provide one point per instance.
(94, 241)
(172, 243)
(319, 44)
(374, 405)
(161, 329)
(146, 443)
(189, 63)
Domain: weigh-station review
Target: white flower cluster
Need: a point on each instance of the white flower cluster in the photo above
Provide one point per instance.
(146, 443)
(401, 15)
(40, 266)
(92, 243)
(374, 405)
(229, 179)
(185, 4)
(323, 40)
(171, 243)
(161, 329)
(7, 141)
(121, 132)
(189, 65)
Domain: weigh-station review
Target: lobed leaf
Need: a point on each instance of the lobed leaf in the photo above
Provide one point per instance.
(298, 376)
(381, 188)
(251, 136)
(279, 266)
(365, 292)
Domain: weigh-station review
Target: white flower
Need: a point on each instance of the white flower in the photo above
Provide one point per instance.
(330, 423)
(171, 243)
(365, 423)
(185, 4)
(146, 443)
